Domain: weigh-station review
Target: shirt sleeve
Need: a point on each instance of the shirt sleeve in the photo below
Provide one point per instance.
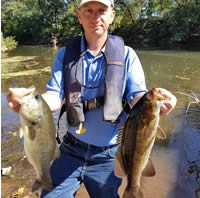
(135, 79)
(56, 82)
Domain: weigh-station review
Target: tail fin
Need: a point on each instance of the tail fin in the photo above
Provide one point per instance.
(38, 184)
(133, 192)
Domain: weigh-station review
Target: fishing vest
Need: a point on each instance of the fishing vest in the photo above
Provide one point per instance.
(113, 83)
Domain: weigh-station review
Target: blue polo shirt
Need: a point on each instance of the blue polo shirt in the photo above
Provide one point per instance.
(98, 132)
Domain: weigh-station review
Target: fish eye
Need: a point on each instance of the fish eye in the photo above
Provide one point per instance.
(37, 97)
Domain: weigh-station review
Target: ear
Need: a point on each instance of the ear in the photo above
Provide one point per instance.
(112, 16)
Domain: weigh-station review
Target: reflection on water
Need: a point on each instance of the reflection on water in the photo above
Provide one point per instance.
(175, 70)
(191, 138)
(177, 159)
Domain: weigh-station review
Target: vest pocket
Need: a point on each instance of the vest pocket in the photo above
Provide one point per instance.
(75, 114)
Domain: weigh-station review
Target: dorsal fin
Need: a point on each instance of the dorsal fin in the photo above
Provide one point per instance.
(120, 134)
(121, 128)
(149, 170)
(31, 133)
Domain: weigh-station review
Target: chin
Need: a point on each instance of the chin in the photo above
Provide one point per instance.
(99, 32)
(96, 32)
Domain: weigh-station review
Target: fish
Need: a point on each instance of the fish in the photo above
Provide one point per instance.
(37, 127)
(135, 141)
(197, 191)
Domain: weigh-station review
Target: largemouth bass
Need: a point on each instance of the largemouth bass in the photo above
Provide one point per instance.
(136, 139)
(38, 129)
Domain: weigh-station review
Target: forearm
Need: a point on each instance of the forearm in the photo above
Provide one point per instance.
(52, 100)
(136, 98)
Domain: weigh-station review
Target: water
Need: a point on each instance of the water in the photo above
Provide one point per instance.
(177, 159)
(36, 58)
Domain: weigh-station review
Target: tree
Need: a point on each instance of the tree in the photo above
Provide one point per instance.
(53, 11)
(21, 19)
(181, 23)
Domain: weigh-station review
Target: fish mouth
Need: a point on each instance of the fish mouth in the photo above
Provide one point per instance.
(157, 95)
(19, 93)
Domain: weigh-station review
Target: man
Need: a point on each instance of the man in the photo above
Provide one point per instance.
(99, 72)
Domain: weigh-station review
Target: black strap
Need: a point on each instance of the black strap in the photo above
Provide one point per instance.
(126, 107)
(62, 111)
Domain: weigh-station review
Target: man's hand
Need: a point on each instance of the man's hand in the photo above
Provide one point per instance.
(51, 99)
(13, 104)
(170, 104)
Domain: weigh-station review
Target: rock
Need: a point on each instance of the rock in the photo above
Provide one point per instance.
(6, 171)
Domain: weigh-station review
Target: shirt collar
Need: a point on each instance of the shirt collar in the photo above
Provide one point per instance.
(84, 46)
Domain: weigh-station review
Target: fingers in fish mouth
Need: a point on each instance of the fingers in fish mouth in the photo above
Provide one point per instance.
(17, 94)
(21, 92)
(157, 95)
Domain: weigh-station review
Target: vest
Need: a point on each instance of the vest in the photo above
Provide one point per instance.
(113, 84)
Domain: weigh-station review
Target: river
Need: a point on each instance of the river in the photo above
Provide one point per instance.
(176, 159)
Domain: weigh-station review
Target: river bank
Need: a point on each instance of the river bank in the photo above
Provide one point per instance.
(193, 45)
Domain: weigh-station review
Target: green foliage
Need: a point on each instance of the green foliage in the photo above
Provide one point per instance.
(140, 22)
(8, 42)
(22, 19)
(2, 40)
(70, 26)
(181, 23)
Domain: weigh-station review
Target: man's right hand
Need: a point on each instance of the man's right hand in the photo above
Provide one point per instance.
(51, 99)
(13, 104)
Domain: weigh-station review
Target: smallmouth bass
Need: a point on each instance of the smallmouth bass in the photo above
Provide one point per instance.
(136, 139)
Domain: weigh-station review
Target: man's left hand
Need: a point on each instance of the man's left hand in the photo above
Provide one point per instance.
(170, 104)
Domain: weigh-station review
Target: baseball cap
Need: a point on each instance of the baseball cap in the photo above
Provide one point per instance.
(109, 3)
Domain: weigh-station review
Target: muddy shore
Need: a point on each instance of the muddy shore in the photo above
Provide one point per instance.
(19, 182)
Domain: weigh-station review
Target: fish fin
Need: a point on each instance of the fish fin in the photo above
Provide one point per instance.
(120, 133)
(133, 192)
(26, 163)
(37, 185)
(31, 133)
(48, 186)
(161, 133)
(121, 128)
(119, 169)
(57, 152)
(21, 132)
(147, 132)
(149, 170)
